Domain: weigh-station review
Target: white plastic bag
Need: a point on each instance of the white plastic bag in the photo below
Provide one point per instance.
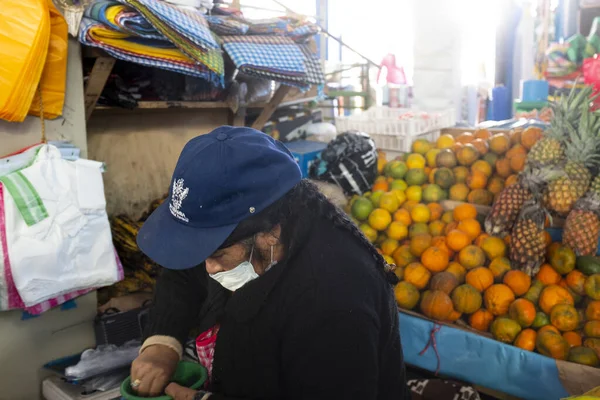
(57, 230)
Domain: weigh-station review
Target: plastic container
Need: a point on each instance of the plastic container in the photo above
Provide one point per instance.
(393, 130)
(188, 374)
(534, 91)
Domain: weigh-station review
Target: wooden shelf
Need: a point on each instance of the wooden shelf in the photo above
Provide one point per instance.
(154, 105)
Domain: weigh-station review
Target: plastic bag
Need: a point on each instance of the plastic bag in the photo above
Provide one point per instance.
(350, 161)
(104, 359)
(54, 77)
(591, 76)
(24, 39)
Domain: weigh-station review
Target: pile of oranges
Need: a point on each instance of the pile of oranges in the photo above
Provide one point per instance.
(472, 167)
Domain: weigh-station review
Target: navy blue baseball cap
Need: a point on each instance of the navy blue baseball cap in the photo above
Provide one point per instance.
(221, 179)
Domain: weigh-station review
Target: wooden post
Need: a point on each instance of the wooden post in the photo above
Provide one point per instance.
(100, 73)
(271, 107)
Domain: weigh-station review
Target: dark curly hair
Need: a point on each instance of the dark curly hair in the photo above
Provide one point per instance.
(293, 212)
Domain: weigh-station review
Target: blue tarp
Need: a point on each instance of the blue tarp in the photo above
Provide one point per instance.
(481, 361)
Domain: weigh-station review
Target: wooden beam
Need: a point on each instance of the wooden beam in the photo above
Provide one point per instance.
(100, 73)
(239, 117)
(270, 108)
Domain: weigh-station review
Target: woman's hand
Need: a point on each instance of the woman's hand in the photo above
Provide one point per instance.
(179, 392)
(153, 369)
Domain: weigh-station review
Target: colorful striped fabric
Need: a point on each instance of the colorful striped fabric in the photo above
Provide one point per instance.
(95, 34)
(187, 30)
(121, 18)
(28, 201)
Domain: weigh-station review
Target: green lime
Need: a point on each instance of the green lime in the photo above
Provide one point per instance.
(361, 208)
(416, 177)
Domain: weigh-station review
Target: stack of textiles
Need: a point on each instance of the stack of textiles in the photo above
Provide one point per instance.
(154, 34)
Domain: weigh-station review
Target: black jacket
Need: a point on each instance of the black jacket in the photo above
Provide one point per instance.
(323, 325)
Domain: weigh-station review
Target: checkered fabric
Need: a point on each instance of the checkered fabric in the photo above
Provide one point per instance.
(179, 34)
(273, 54)
(187, 68)
(222, 25)
(192, 25)
(205, 349)
(314, 71)
(133, 23)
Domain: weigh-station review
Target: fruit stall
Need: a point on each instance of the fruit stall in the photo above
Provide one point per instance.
(494, 237)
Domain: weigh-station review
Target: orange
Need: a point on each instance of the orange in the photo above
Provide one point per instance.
(417, 274)
(483, 167)
(480, 239)
(436, 211)
(445, 141)
(403, 216)
(457, 240)
(435, 259)
(380, 219)
(481, 197)
(450, 227)
(465, 138)
(382, 186)
(440, 242)
(530, 136)
(460, 174)
(522, 311)
(464, 211)
(471, 227)
(467, 155)
(389, 202)
(458, 271)
(482, 134)
(498, 298)
(436, 228)
(553, 295)
(515, 151)
(511, 180)
(471, 257)
(503, 167)
(547, 275)
(573, 338)
(402, 256)
(547, 238)
(481, 320)
(420, 213)
(515, 136)
(397, 231)
(407, 295)
(419, 244)
(517, 162)
(499, 267)
(477, 180)
(549, 328)
(499, 143)
(448, 217)
(389, 246)
(459, 192)
(416, 161)
(526, 340)
(518, 281)
(495, 185)
(493, 247)
(481, 146)
(480, 278)
(592, 311)
(418, 228)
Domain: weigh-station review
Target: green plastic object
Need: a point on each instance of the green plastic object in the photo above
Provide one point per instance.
(188, 374)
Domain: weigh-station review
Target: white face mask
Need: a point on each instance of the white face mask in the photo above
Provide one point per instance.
(237, 277)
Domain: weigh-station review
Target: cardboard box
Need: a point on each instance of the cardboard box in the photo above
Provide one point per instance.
(305, 153)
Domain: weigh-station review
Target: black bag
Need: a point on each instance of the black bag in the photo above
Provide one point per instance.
(349, 161)
(116, 327)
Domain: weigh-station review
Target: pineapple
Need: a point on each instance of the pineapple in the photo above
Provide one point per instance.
(583, 225)
(567, 114)
(505, 210)
(528, 243)
(581, 152)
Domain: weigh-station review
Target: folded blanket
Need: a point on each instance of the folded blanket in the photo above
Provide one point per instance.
(187, 30)
(272, 54)
(223, 25)
(121, 18)
(128, 48)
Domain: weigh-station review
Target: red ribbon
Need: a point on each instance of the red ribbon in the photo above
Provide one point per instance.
(431, 342)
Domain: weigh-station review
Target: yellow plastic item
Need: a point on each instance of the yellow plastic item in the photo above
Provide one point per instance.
(24, 38)
(54, 77)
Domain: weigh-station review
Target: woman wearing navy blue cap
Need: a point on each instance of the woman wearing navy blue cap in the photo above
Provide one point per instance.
(293, 301)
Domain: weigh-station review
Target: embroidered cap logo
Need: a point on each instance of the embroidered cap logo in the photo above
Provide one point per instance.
(179, 194)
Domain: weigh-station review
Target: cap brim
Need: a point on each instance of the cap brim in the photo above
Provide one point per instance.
(174, 245)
